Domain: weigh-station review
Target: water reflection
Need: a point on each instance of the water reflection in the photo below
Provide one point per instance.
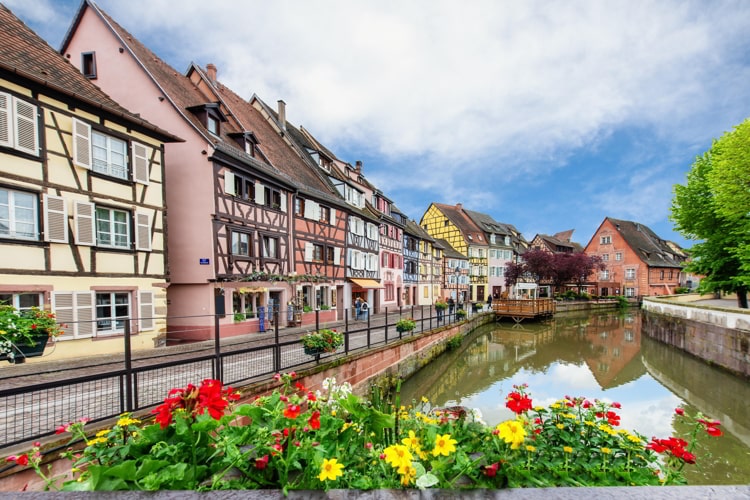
(598, 356)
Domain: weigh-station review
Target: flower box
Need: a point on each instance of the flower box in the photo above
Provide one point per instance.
(24, 333)
(21, 351)
(325, 340)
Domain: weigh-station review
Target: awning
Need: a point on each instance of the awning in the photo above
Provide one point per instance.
(365, 283)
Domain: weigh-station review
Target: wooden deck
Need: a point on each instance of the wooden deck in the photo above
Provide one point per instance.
(521, 309)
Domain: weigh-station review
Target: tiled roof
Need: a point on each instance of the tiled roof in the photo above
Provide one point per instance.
(24, 53)
(416, 230)
(450, 252)
(463, 222)
(653, 250)
(554, 242)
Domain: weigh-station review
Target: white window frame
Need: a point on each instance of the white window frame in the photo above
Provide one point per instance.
(618, 256)
(112, 231)
(19, 125)
(266, 247)
(236, 241)
(630, 273)
(114, 322)
(15, 300)
(605, 240)
(11, 208)
(604, 275)
(108, 149)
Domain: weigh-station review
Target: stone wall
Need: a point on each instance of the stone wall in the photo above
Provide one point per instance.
(720, 336)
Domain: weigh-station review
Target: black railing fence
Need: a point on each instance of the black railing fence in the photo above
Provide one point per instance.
(102, 387)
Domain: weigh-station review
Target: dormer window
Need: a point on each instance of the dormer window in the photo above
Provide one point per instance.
(210, 116)
(246, 141)
(88, 65)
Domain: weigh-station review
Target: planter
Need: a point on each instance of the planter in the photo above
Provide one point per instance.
(403, 330)
(23, 351)
(314, 351)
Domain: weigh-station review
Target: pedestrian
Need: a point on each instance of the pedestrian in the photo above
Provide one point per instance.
(365, 308)
(489, 302)
(357, 307)
(451, 305)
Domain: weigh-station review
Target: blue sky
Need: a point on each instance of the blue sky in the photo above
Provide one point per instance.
(546, 115)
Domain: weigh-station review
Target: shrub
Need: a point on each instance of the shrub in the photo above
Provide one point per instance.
(326, 340)
(406, 325)
(454, 342)
(460, 314)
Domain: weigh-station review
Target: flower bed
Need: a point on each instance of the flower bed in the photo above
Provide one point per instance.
(298, 439)
(326, 340)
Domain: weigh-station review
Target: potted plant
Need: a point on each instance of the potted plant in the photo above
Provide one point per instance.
(406, 325)
(325, 340)
(460, 314)
(440, 305)
(24, 333)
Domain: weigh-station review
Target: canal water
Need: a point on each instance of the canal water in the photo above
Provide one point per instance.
(602, 356)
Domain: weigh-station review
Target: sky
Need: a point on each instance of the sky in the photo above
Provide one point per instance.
(548, 115)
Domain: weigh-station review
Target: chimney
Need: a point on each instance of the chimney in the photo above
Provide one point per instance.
(211, 70)
(459, 206)
(282, 114)
(358, 167)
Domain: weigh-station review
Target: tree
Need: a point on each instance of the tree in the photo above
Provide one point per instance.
(575, 268)
(714, 208)
(513, 272)
(538, 265)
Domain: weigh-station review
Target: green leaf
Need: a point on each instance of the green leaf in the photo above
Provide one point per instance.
(426, 481)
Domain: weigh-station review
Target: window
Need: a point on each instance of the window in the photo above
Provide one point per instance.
(109, 155)
(21, 300)
(618, 256)
(629, 274)
(299, 206)
(605, 274)
(331, 255)
(270, 247)
(507, 240)
(212, 124)
(605, 240)
(661, 274)
(18, 215)
(88, 65)
(605, 257)
(112, 228)
(630, 292)
(670, 274)
(112, 310)
(317, 254)
(325, 214)
(240, 244)
(18, 124)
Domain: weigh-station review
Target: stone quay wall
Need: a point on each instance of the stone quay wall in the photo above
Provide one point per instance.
(717, 335)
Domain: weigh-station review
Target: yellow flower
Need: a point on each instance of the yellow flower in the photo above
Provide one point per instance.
(634, 439)
(425, 400)
(556, 406)
(560, 426)
(512, 432)
(408, 474)
(606, 450)
(333, 413)
(96, 441)
(530, 448)
(567, 449)
(397, 455)
(412, 441)
(330, 469)
(125, 421)
(589, 423)
(102, 433)
(444, 445)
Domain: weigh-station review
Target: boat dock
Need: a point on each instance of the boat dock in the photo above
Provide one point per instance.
(521, 309)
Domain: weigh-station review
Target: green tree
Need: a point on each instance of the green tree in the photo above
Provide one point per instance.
(713, 208)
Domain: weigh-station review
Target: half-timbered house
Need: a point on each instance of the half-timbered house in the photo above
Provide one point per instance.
(81, 201)
(229, 208)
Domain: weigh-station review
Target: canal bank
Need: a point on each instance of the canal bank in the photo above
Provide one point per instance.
(708, 330)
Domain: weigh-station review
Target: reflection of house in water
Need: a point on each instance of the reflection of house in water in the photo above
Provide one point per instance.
(615, 344)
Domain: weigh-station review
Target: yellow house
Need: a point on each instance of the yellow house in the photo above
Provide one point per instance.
(81, 202)
(452, 224)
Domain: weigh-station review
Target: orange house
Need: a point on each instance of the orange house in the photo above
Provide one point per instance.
(638, 262)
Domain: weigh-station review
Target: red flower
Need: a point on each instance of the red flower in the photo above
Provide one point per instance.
(262, 462)
(491, 470)
(679, 411)
(20, 460)
(62, 428)
(314, 420)
(616, 405)
(688, 457)
(292, 411)
(311, 396)
(518, 403)
(299, 386)
(713, 431)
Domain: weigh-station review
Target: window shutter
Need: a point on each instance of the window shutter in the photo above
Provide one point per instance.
(81, 143)
(140, 163)
(308, 251)
(62, 304)
(229, 183)
(146, 307)
(84, 313)
(85, 228)
(336, 256)
(283, 202)
(25, 127)
(333, 216)
(309, 209)
(260, 193)
(143, 231)
(55, 219)
(5, 120)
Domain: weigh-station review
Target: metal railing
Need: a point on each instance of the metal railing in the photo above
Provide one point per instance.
(32, 411)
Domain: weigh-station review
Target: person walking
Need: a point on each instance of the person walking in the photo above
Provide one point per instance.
(357, 307)
(365, 309)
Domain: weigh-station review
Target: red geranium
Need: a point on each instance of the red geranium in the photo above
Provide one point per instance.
(292, 411)
(314, 420)
(518, 403)
(491, 470)
(194, 400)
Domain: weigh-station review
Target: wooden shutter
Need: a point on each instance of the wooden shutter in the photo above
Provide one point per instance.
(140, 163)
(25, 124)
(75, 310)
(333, 216)
(84, 312)
(55, 219)
(6, 139)
(260, 193)
(308, 251)
(85, 227)
(143, 231)
(146, 310)
(81, 144)
(336, 256)
(309, 209)
(283, 202)
(229, 183)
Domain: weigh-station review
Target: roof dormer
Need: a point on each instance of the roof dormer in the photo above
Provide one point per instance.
(210, 116)
(246, 141)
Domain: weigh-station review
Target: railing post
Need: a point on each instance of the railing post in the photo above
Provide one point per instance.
(128, 369)
(430, 316)
(217, 348)
(385, 327)
(368, 327)
(346, 331)
(277, 347)
(317, 320)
